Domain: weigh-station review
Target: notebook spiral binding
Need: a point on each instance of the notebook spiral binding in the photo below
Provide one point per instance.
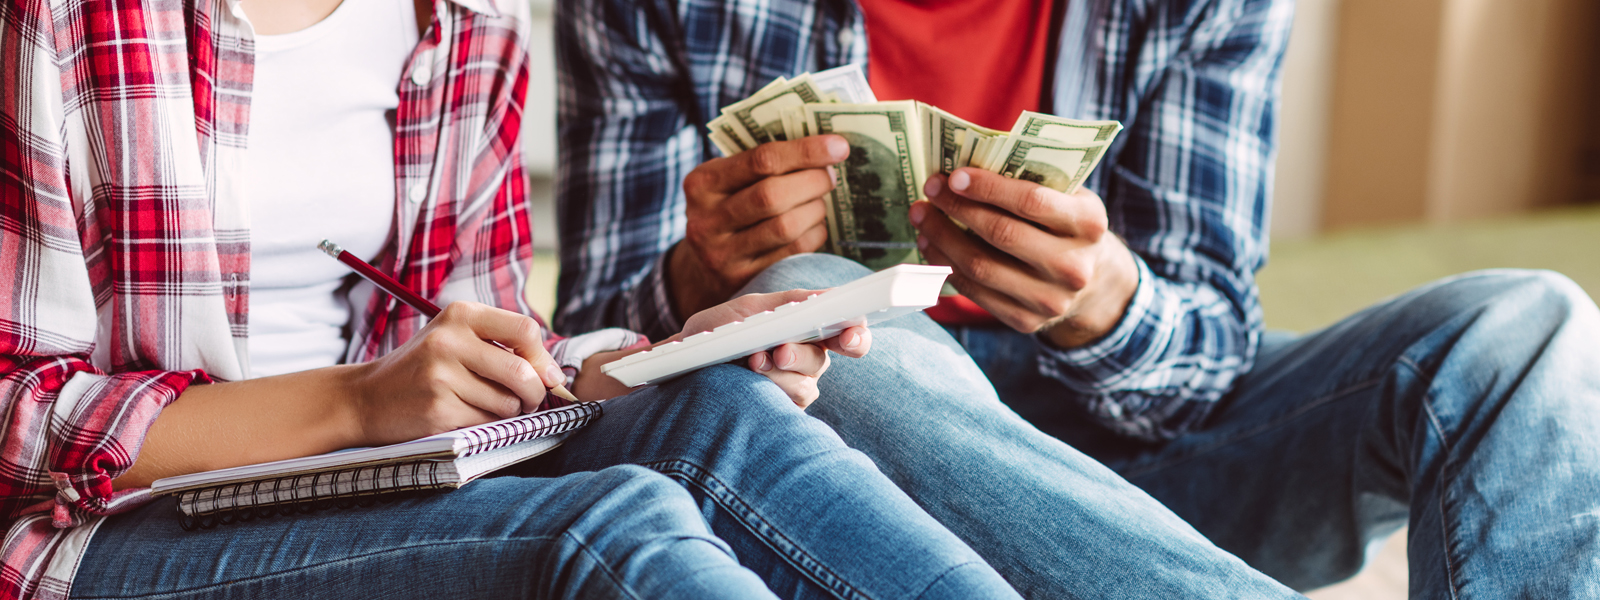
(209, 507)
(551, 422)
(359, 486)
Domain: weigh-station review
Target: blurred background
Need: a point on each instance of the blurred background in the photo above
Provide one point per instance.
(1418, 139)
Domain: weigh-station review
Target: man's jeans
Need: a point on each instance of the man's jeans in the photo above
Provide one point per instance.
(1468, 409)
(789, 508)
(1054, 522)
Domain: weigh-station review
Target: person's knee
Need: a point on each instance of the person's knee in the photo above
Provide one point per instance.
(637, 497)
(1522, 301)
(806, 271)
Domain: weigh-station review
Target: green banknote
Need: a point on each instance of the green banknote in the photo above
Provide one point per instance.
(1056, 165)
(867, 210)
(1071, 131)
(761, 116)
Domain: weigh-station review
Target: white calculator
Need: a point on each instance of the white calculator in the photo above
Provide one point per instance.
(890, 293)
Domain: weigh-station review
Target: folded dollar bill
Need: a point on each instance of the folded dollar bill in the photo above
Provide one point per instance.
(896, 146)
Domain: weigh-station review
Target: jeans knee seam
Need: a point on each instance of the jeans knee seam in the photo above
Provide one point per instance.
(1445, 521)
(953, 568)
(601, 564)
(692, 474)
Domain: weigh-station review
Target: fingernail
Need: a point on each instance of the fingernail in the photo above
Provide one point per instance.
(922, 243)
(852, 341)
(553, 375)
(762, 364)
(833, 177)
(959, 181)
(932, 187)
(838, 149)
(918, 213)
(787, 362)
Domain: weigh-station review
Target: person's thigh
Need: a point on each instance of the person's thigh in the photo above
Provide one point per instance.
(1447, 408)
(1054, 522)
(812, 517)
(619, 533)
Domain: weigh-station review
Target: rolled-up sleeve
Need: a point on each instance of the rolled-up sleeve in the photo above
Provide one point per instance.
(1188, 192)
(626, 145)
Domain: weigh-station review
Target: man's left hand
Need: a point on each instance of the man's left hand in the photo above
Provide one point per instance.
(1036, 258)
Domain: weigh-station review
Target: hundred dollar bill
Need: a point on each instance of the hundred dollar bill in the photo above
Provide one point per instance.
(725, 144)
(1071, 131)
(947, 135)
(761, 116)
(874, 188)
(846, 85)
(1056, 165)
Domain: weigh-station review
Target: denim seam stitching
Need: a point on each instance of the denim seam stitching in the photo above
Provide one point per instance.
(601, 564)
(953, 568)
(1269, 425)
(293, 570)
(746, 515)
(1444, 470)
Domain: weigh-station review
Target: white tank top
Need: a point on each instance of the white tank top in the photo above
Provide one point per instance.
(320, 166)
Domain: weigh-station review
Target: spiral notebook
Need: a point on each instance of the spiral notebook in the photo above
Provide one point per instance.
(350, 477)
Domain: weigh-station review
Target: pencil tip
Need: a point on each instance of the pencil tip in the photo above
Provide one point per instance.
(561, 392)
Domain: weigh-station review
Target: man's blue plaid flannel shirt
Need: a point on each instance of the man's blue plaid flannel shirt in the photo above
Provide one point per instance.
(1187, 185)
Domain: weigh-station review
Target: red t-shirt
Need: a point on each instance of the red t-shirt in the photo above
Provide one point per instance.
(981, 60)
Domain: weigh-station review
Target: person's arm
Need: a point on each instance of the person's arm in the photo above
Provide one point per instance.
(446, 377)
(630, 133)
(626, 142)
(1149, 339)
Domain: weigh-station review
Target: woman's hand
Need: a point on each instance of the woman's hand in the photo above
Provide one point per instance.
(449, 376)
(794, 367)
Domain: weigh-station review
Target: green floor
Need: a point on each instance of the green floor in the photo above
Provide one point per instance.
(1311, 283)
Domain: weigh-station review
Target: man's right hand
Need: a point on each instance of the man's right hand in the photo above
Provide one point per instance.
(748, 211)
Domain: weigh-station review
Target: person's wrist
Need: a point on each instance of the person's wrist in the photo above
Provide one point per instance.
(1102, 307)
(691, 285)
(352, 405)
(593, 384)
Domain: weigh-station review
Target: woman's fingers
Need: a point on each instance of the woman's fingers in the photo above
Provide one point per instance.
(809, 360)
(794, 368)
(517, 385)
(854, 342)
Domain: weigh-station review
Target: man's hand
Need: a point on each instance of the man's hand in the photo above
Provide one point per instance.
(794, 367)
(747, 212)
(1039, 259)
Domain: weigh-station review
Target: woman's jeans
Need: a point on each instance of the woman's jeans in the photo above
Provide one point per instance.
(748, 496)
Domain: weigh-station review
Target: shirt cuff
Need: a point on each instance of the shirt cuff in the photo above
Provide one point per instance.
(81, 471)
(1122, 354)
(571, 352)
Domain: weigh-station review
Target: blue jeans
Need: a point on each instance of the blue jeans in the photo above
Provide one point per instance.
(773, 502)
(1468, 409)
(1053, 521)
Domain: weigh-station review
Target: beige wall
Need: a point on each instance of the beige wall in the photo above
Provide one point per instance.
(1448, 110)
(1301, 179)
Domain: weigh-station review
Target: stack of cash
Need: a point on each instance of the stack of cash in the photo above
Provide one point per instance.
(895, 146)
